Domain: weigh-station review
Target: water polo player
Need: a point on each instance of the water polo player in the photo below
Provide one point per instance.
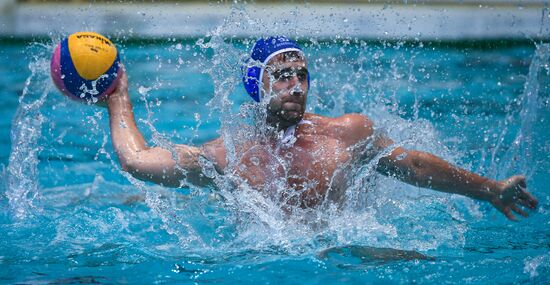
(315, 150)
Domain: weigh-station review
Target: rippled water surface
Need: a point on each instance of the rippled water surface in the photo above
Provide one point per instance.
(68, 214)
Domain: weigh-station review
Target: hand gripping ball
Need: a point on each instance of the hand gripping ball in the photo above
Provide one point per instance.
(85, 67)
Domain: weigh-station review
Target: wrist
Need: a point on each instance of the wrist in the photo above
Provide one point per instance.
(491, 189)
(118, 99)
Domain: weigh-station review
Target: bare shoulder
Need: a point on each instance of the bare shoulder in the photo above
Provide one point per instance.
(355, 122)
(349, 127)
(354, 127)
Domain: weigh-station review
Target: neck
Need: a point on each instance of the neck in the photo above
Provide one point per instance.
(277, 123)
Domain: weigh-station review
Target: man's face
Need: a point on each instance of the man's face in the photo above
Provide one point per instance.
(285, 80)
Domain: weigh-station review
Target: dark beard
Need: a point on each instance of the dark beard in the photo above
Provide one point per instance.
(280, 121)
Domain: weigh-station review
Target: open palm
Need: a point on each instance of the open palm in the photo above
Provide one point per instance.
(512, 196)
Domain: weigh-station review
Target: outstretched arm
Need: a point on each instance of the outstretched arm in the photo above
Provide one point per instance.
(168, 168)
(426, 170)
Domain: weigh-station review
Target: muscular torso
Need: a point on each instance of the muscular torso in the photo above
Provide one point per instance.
(304, 173)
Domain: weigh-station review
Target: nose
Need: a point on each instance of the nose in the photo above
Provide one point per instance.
(296, 90)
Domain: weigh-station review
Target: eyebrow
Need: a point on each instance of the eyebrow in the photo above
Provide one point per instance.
(289, 69)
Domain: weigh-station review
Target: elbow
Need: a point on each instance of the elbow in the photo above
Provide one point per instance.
(138, 169)
(130, 159)
(420, 168)
(129, 163)
(418, 161)
(413, 167)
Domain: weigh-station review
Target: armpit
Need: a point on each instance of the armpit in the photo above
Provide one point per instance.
(378, 144)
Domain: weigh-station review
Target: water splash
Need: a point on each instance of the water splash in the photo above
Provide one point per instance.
(519, 157)
(536, 265)
(337, 76)
(22, 172)
(260, 220)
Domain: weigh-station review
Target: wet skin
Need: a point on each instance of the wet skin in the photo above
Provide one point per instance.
(311, 168)
(315, 168)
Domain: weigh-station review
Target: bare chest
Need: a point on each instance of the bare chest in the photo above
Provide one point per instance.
(299, 175)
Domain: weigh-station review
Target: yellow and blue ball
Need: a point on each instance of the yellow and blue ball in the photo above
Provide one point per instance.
(85, 66)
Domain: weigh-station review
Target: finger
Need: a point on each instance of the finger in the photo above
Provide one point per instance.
(517, 181)
(121, 67)
(122, 84)
(524, 202)
(519, 211)
(531, 200)
(123, 74)
(512, 180)
(521, 181)
(508, 213)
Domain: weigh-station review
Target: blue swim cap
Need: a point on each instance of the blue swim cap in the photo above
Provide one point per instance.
(263, 51)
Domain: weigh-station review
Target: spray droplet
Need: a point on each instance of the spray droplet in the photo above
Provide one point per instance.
(255, 161)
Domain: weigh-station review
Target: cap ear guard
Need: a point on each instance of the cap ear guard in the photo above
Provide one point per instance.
(308, 82)
(251, 81)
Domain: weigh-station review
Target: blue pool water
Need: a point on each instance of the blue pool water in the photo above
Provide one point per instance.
(68, 214)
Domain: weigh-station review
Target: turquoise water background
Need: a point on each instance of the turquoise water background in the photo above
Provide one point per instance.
(68, 214)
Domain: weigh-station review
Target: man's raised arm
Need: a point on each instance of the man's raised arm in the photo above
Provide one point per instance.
(155, 164)
(426, 170)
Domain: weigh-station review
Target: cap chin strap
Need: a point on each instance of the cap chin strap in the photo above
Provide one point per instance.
(260, 80)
